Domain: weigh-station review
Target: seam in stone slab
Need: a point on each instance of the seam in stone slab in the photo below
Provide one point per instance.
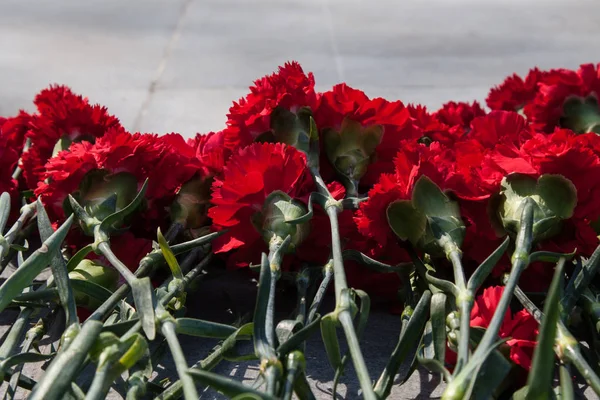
(162, 65)
(333, 42)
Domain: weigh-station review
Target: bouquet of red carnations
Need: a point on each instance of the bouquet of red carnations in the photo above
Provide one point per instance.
(480, 229)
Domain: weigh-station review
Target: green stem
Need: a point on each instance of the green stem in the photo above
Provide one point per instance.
(465, 304)
(27, 213)
(16, 332)
(106, 251)
(65, 366)
(358, 360)
(520, 259)
(189, 387)
(101, 384)
(575, 358)
(318, 299)
(17, 172)
(339, 274)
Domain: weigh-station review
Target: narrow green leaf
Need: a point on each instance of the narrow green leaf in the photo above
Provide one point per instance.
(407, 341)
(435, 366)
(79, 257)
(4, 210)
(566, 383)
(438, 325)
(492, 373)
(299, 337)
(66, 365)
(189, 245)
(330, 340)
(442, 284)
(549, 256)
(353, 203)
(82, 216)
(261, 344)
(31, 268)
(200, 328)
(375, 265)
(24, 358)
(91, 289)
(542, 367)
(579, 282)
(141, 290)
(486, 267)
(120, 328)
(227, 386)
(169, 256)
(59, 267)
(116, 218)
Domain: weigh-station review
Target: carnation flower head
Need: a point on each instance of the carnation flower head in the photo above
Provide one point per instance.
(119, 163)
(245, 199)
(520, 328)
(268, 112)
(431, 128)
(567, 99)
(63, 118)
(360, 135)
(515, 92)
(13, 129)
(459, 113)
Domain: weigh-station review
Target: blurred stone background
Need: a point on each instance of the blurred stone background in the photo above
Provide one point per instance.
(176, 66)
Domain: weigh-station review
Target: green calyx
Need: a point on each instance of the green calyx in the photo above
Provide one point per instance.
(291, 128)
(352, 149)
(102, 193)
(431, 221)
(554, 200)
(275, 219)
(191, 204)
(581, 115)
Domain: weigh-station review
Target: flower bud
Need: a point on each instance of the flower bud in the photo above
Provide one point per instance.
(554, 198)
(191, 204)
(431, 221)
(581, 115)
(351, 149)
(274, 220)
(289, 127)
(102, 193)
(91, 271)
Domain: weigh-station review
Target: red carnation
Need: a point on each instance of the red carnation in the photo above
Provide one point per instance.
(9, 158)
(94, 171)
(14, 130)
(568, 99)
(289, 88)
(351, 124)
(521, 328)
(459, 114)
(65, 116)
(432, 128)
(248, 179)
(575, 157)
(413, 161)
(514, 93)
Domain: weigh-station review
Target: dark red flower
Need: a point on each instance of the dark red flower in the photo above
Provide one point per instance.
(567, 99)
(289, 88)
(62, 116)
(248, 179)
(520, 328)
(514, 93)
(9, 157)
(117, 160)
(432, 128)
(343, 104)
(13, 129)
(459, 114)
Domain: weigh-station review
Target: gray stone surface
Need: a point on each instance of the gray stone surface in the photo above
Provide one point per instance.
(176, 65)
